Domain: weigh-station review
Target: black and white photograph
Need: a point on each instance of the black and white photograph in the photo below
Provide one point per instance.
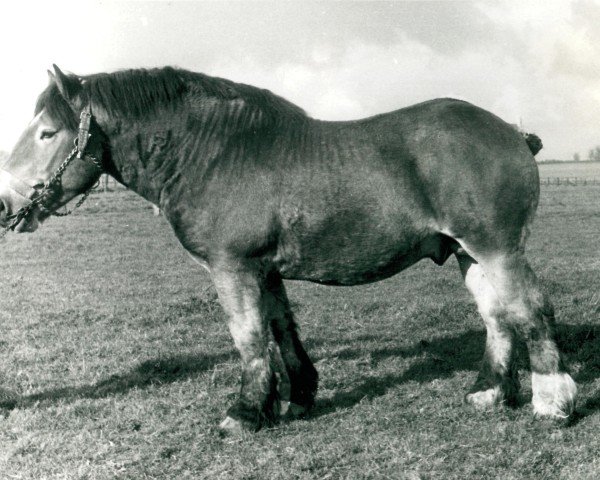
(300, 239)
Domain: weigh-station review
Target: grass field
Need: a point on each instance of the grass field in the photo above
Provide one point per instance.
(116, 362)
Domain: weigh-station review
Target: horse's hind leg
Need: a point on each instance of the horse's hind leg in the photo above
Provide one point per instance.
(303, 377)
(497, 381)
(241, 293)
(531, 315)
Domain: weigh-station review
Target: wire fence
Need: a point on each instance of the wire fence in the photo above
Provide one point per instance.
(109, 184)
(570, 181)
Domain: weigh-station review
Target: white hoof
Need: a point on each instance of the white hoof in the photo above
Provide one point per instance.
(485, 399)
(554, 395)
(291, 410)
(231, 425)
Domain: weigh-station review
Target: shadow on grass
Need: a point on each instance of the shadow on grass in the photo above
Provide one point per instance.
(442, 357)
(435, 359)
(438, 358)
(581, 345)
(150, 372)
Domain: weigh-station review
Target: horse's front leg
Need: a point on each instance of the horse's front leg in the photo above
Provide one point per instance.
(241, 293)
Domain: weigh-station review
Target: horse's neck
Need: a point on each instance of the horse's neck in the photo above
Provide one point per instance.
(144, 153)
(148, 154)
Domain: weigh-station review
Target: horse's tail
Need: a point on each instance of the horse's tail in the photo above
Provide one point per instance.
(533, 142)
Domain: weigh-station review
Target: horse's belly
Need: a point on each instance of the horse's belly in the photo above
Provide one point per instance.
(345, 273)
(343, 264)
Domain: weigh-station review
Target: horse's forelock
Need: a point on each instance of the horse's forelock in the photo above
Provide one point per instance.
(56, 107)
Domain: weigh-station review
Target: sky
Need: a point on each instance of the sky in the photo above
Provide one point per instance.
(534, 63)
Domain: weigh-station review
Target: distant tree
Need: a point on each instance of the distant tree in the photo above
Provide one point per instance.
(576, 157)
(594, 154)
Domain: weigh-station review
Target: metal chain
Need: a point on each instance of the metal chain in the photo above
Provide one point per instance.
(46, 191)
(77, 205)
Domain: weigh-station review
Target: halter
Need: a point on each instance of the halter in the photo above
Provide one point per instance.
(37, 197)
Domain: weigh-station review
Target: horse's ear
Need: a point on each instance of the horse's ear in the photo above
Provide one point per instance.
(51, 77)
(68, 87)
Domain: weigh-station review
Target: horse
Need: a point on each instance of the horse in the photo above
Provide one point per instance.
(259, 192)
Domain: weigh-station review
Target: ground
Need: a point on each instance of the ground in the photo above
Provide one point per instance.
(116, 363)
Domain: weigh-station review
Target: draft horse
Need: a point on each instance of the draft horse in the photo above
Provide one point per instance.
(257, 192)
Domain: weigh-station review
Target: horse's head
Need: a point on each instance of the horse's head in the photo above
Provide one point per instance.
(29, 185)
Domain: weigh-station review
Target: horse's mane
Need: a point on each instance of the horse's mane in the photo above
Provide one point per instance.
(141, 92)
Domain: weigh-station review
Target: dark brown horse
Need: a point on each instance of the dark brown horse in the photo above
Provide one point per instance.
(257, 192)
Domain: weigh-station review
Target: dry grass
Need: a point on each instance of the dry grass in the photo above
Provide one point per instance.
(117, 364)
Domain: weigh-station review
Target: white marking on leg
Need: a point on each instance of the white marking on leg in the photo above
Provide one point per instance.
(486, 398)
(242, 299)
(231, 425)
(499, 342)
(554, 394)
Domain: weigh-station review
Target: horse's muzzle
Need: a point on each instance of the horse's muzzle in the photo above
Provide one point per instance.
(15, 194)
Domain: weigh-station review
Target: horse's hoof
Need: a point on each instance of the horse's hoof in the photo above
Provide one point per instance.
(554, 395)
(242, 417)
(231, 426)
(291, 411)
(485, 399)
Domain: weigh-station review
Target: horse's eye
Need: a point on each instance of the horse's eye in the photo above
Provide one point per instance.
(47, 134)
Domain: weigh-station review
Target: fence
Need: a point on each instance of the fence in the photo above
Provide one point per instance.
(570, 181)
(107, 184)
